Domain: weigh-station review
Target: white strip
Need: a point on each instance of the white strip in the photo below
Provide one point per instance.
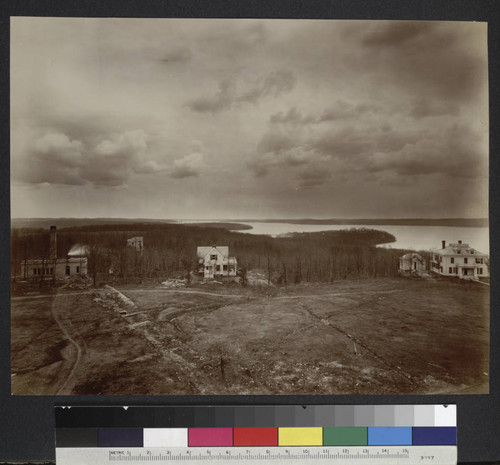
(445, 416)
(165, 437)
(366, 455)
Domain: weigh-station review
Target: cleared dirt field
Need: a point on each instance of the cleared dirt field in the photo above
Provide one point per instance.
(383, 336)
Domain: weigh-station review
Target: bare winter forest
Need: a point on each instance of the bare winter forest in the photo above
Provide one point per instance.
(170, 251)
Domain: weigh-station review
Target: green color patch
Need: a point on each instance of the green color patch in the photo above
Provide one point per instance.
(345, 436)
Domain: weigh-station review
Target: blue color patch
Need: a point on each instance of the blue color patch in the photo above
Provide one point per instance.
(435, 436)
(389, 436)
(121, 437)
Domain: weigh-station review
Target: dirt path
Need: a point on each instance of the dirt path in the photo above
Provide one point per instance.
(370, 337)
(48, 296)
(63, 302)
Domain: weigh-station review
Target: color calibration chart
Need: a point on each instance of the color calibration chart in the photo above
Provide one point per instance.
(310, 434)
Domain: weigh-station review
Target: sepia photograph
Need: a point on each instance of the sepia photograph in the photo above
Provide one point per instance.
(249, 207)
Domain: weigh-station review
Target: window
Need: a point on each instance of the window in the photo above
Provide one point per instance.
(465, 260)
(224, 267)
(458, 251)
(218, 267)
(213, 257)
(479, 271)
(441, 269)
(78, 269)
(450, 270)
(67, 271)
(452, 260)
(34, 271)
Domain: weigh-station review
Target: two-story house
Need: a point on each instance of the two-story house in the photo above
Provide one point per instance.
(460, 260)
(215, 261)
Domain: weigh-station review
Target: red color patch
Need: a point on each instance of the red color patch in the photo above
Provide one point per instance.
(255, 436)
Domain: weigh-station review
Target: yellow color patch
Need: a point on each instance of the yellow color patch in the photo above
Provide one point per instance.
(300, 436)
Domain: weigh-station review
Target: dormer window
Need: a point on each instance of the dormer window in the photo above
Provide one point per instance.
(213, 256)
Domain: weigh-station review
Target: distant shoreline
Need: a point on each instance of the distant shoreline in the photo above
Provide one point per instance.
(241, 223)
(451, 222)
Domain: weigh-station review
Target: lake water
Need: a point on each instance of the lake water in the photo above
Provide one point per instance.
(407, 237)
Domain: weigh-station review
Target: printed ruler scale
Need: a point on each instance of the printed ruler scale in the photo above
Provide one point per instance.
(405, 434)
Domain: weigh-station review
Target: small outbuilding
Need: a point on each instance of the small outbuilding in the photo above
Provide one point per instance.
(412, 262)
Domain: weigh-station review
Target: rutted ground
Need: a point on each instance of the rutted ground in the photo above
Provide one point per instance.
(384, 336)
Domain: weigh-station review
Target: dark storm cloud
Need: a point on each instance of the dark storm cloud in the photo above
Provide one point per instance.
(431, 59)
(341, 110)
(232, 92)
(55, 158)
(277, 141)
(322, 105)
(452, 152)
(397, 33)
(279, 148)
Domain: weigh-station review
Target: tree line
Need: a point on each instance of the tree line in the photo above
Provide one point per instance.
(170, 251)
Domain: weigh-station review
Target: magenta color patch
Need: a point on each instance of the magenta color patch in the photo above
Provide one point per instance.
(210, 437)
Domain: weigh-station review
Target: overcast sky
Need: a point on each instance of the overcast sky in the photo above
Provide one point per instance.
(167, 118)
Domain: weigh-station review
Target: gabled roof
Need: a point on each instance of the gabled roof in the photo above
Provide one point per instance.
(203, 251)
(412, 255)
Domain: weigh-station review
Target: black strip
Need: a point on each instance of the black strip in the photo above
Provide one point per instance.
(76, 437)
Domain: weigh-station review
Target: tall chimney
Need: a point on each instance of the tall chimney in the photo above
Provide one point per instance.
(53, 243)
(443, 244)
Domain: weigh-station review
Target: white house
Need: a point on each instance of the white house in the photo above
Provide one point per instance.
(459, 260)
(215, 261)
(412, 262)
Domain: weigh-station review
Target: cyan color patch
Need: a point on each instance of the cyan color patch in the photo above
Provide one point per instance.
(389, 436)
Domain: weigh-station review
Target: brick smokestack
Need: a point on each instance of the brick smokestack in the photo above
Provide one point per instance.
(443, 243)
(53, 243)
